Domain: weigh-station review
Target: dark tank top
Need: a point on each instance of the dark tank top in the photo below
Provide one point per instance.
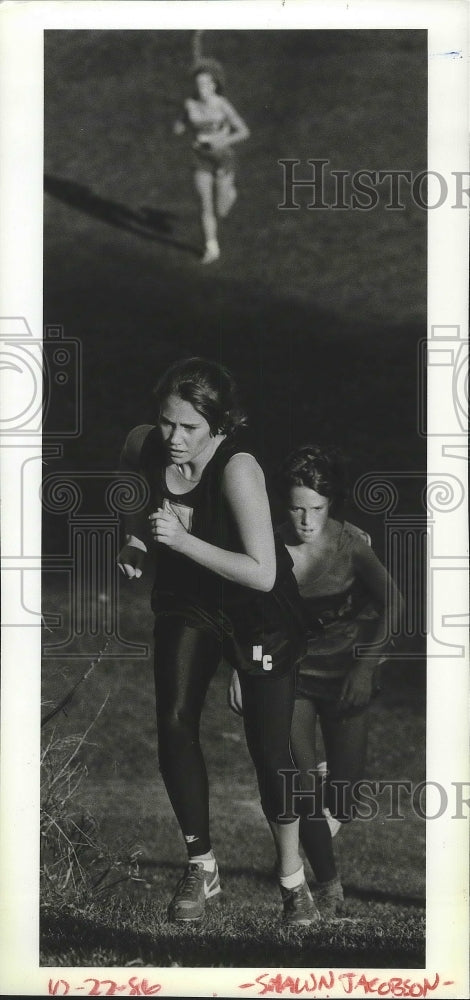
(204, 512)
(271, 619)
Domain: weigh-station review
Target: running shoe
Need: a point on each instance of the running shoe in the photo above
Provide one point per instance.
(211, 253)
(329, 898)
(194, 890)
(299, 907)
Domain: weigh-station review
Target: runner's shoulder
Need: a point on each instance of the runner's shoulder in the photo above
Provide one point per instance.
(355, 536)
(134, 443)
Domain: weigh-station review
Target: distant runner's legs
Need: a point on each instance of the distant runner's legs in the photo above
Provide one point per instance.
(204, 183)
(225, 192)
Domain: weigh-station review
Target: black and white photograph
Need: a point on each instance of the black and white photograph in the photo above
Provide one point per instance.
(234, 464)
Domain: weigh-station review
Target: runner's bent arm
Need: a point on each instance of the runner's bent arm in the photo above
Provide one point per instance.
(383, 592)
(243, 487)
(180, 125)
(235, 129)
(385, 596)
(239, 129)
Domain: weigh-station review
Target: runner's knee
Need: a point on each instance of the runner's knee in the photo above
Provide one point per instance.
(225, 194)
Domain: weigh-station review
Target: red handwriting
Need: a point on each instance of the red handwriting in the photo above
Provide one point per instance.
(350, 982)
(297, 985)
(105, 987)
(395, 987)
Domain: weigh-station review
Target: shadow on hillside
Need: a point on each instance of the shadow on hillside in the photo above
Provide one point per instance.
(261, 876)
(208, 946)
(149, 223)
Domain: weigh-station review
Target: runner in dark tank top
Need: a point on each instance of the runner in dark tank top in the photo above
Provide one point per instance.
(221, 589)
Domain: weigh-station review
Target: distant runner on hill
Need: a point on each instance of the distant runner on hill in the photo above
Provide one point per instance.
(216, 127)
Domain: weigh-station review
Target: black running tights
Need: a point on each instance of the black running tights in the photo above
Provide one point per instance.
(345, 744)
(186, 659)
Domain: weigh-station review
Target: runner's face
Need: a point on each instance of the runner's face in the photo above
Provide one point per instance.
(185, 432)
(308, 513)
(205, 84)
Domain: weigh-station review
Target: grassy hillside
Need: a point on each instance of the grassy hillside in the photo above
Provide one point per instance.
(381, 861)
(319, 313)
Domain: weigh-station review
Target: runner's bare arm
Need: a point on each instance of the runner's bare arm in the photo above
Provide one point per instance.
(386, 597)
(244, 489)
(239, 130)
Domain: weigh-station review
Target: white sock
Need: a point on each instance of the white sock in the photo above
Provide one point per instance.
(334, 824)
(207, 861)
(292, 881)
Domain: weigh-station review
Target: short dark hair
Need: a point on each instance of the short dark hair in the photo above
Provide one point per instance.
(214, 69)
(209, 387)
(319, 468)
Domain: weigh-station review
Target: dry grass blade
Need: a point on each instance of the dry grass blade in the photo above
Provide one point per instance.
(75, 862)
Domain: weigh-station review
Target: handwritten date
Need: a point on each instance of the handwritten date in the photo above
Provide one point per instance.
(105, 987)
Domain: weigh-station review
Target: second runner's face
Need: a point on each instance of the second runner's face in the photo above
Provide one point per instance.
(206, 87)
(185, 432)
(308, 513)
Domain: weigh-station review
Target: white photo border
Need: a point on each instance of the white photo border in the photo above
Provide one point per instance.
(21, 136)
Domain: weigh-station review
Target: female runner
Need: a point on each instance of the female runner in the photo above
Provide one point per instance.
(216, 128)
(348, 599)
(219, 590)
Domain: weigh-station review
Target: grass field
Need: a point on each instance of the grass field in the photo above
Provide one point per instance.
(320, 314)
(381, 861)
